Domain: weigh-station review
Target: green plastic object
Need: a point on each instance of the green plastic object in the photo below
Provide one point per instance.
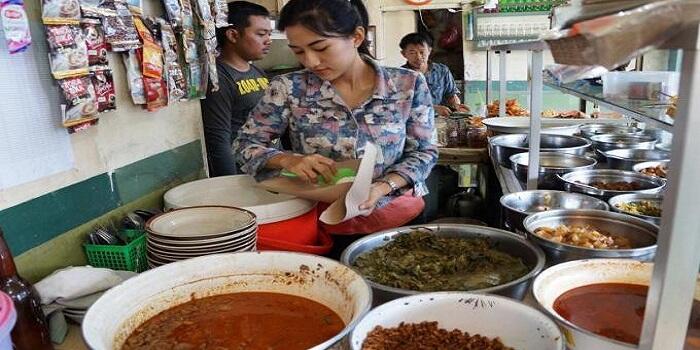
(130, 257)
(340, 174)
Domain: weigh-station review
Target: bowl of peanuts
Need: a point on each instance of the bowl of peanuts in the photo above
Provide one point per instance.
(572, 234)
(455, 320)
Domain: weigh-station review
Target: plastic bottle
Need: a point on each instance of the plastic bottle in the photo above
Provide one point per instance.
(31, 330)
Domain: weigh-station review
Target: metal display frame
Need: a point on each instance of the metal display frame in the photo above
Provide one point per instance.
(677, 259)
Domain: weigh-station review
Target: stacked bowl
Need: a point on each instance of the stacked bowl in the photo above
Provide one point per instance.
(196, 231)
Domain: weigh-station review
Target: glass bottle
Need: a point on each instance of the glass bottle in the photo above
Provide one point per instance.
(31, 330)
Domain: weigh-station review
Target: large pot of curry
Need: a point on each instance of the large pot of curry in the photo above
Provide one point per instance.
(249, 300)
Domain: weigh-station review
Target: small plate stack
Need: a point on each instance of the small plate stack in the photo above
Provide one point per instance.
(196, 231)
(75, 309)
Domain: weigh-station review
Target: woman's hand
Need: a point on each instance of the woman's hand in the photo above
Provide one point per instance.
(309, 167)
(376, 192)
(442, 111)
(461, 108)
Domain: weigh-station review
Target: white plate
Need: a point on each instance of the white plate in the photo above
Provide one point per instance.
(200, 222)
(197, 242)
(160, 244)
(517, 325)
(197, 252)
(170, 256)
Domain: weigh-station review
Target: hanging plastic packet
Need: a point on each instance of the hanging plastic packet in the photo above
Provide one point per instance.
(152, 59)
(80, 98)
(195, 81)
(103, 82)
(96, 44)
(15, 25)
(119, 29)
(134, 77)
(173, 11)
(96, 8)
(177, 86)
(187, 15)
(80, 125)
(220, 10)
(136, 7)
(60, 12)
(156, 93)
(208, 28)
(68, 54)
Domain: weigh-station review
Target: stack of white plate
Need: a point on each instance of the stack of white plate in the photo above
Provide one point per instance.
(75, 309)
(195, 231)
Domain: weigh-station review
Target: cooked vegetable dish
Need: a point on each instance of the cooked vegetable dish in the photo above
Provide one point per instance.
(647, 208)
(615, 186)
(660, 171)
(427, 335)
(583, 236)
(425, 262)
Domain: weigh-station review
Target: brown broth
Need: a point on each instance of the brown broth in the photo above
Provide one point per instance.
(250, 320)
(615, 311)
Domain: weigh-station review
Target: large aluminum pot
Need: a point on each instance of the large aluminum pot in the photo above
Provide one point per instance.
(608, 142)
(556, 280)
(505, 241)
(642, 234)
(123, 308)
(627, 158)
(654, 199)
(580, 181)
(504, 146)
(591, 130)
(518, 205)
(551, 165)
(517, 325)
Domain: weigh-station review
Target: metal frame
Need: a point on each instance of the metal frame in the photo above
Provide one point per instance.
(677, 259)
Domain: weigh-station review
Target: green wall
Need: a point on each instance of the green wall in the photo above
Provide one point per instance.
(46, 232)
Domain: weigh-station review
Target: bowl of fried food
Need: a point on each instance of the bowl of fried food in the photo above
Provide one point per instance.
(572, 234)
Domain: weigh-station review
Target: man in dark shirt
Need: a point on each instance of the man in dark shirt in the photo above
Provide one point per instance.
(416, 49)
(241, 84)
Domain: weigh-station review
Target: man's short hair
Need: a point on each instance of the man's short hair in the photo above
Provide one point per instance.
(416, 39)
(239, 13)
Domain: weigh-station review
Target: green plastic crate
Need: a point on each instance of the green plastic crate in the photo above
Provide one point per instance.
(130, 257)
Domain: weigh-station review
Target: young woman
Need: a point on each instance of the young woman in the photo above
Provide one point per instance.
(342, 100)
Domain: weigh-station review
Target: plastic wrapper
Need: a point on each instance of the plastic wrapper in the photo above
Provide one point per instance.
(134, 77)
(611, 41)
(565, 74)
(152, 59)
(97, 8)
(60, 12)
(206, 20)
(177, 85)
(96, 44)
(119, 29)
(105, 94)
(187, 15)
(80, 98)
(173, 10)
(135, 6)
(156, 93)
(220, 12)
(68, 54)
(15, 25)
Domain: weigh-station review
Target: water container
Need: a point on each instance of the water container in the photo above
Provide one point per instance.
(8, 317)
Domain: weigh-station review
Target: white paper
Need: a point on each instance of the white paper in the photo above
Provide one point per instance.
(349, 207)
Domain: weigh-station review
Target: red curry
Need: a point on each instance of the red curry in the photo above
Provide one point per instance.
(613, 310)
(250, 320)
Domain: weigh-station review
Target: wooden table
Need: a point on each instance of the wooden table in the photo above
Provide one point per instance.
(456, 156)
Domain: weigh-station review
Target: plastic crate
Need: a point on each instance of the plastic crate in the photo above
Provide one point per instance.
(130, 257)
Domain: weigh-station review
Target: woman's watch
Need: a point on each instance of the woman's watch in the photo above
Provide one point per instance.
(394, 187)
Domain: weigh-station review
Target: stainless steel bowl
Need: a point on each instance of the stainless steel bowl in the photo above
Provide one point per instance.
(504, 146)
(641, 234)
(518, 205)
(625, 159)
(551, 165)
(505, 241)
(607, 142)
(590, 130)
(579, 181)
(641, 166)
(664, 146)
(655, 199)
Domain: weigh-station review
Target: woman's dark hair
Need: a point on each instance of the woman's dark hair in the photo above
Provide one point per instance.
(331, 18)
(416, 39)
(239, 13)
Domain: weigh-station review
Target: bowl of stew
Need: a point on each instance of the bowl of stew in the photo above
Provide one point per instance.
(268, 300)
(599, 303)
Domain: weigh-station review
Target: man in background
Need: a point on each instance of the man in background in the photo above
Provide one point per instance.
(241, 84)
(416, 49)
